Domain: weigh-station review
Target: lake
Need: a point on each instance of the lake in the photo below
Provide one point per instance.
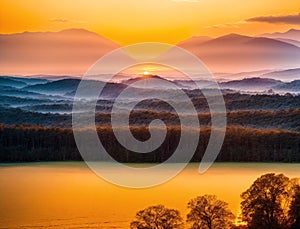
(70, 195)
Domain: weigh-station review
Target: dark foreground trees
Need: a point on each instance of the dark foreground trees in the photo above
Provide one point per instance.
(266, 203)
(271, 202)
(34, 143)
(157, 217)
(294, 212)
(207, 212)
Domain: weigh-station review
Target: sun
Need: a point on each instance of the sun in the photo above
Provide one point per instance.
(146, 73)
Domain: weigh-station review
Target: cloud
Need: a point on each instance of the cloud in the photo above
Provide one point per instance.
(66, 20)
(287, 19)
(227, 25)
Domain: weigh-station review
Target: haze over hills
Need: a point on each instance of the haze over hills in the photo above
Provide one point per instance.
(290, 41)
(9, 82)
(58, 87)
(73, 51)
(291, 86)
(34, 88)
(193, 42)
(284, 75)
(69, 52)
(149, 81)
(292, 34)
(50, 103)
(252, 84)
(69, 84)
(236, 53)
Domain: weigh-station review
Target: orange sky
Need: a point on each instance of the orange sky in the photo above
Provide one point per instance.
(131, 21)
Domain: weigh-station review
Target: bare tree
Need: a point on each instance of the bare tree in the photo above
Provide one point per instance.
(207, 212)
(157, 217)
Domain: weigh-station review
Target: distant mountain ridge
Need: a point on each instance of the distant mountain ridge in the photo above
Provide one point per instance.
(70, 52)
(255, 83)
(290, 41)
(193, 41)
(73, 51)
(284, 75)
(292, 34)
(237, 53)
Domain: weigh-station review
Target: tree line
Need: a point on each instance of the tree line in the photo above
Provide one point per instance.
(261, 119)
(271, 202)
(255, 111)
(20, 143)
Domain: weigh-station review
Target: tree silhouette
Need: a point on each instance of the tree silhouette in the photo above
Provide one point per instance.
(265, 203)
(157, 217)
(58, 144)
(294, 211)
(207, 212)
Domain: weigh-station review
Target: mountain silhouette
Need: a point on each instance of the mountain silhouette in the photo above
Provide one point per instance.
(74, 51)
(236, 53)
(69, 52)
(292, 34)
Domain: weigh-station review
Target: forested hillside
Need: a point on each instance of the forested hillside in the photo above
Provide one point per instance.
(36, 119)
(33, 143)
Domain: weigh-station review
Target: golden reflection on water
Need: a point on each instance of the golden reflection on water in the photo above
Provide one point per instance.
(70, 195)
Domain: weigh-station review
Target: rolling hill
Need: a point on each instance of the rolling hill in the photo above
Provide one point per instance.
(293, 86)
(11, 82)
(252, 84)
(58, 87)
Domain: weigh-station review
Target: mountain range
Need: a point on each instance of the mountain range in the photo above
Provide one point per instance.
(236, 53)
(292, 35)
(69, 52)
(73, 51)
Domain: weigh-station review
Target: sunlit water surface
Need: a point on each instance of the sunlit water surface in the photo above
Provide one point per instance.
(70, 195)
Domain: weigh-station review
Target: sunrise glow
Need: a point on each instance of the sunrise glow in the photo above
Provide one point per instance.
(150, 114)
(131, 21)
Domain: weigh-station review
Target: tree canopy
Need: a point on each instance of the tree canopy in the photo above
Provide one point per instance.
(266, 203)
(157, 217)
(294, 211)
(271, 202)
(207, 212)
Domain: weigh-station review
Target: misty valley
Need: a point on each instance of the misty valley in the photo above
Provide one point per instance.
(36, 115)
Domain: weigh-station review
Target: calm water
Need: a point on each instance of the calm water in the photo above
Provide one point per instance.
(69, 195)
